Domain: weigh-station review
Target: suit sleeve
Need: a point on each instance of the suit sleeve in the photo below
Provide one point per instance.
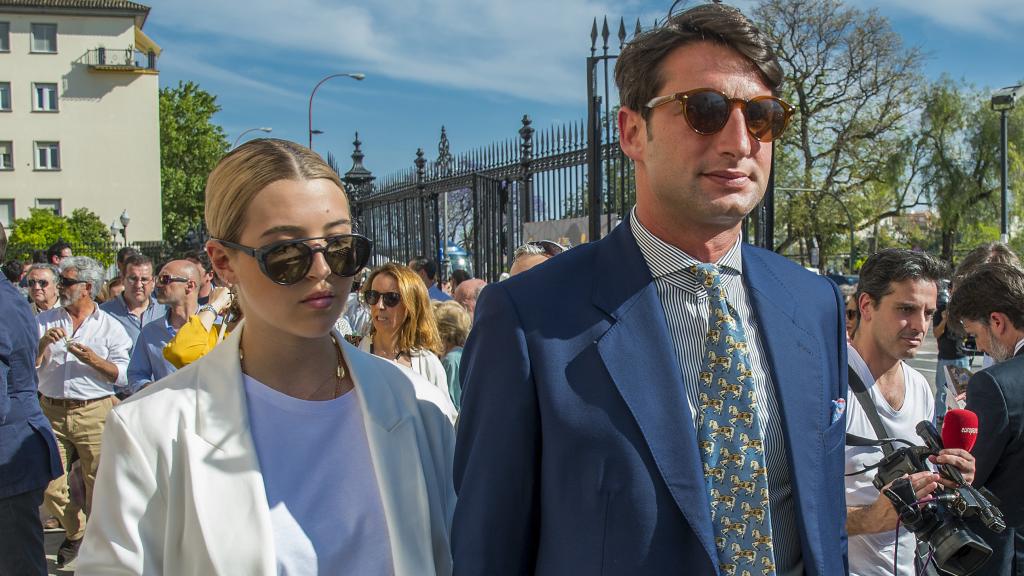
(125, 534)
(6, 350)
(497, 452)
(985, 398)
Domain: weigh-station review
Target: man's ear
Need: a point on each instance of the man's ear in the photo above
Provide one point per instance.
(220, 259)
(632, 133)
(866, 306)
(999, 323)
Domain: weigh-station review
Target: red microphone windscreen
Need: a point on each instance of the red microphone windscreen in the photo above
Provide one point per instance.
(960, 429)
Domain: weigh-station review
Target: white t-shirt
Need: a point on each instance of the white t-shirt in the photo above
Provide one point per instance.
(872, 554)
(325, 506)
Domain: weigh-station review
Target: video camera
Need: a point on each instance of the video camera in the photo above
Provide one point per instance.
(938, 519)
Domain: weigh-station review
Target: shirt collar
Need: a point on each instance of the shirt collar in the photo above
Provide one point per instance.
(666, 260)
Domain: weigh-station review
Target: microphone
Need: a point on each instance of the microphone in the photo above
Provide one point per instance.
(960, 429)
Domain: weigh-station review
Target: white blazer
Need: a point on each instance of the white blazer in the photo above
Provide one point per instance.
(179, 489)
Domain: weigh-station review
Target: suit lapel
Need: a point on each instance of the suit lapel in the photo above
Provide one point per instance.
(652, 387)
(799, 386)
(227, 485)
(391, 434)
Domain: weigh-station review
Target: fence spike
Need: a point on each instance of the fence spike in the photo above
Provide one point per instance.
(637, 30)
(593, 37)
(605, 34)
(622, 33)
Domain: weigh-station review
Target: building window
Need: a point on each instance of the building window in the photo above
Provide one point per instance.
(5, 96)
(5, 36)
(45, 99)
(47, 155)
(44, 38)
(7, 155)
(52, 204)
(7, 212)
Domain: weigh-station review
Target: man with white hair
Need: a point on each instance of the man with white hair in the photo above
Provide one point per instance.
(467, 293)
(81, 360)
(41, 280)
(177, 288)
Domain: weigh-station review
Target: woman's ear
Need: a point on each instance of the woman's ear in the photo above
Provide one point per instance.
(220, 259)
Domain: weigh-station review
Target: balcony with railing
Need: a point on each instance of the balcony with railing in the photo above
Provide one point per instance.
(121, 60)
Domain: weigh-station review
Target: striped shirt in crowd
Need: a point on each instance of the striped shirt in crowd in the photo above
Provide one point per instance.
(686, 312)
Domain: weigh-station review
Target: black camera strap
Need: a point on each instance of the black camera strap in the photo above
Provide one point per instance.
(860, 391)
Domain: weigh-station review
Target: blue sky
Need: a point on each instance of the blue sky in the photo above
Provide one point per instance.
(474, 66)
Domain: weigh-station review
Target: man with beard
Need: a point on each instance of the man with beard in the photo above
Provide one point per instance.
(177, 287)
(42, 287)
(990, 304)
(896, 298)
(82, 358)
(136, 307)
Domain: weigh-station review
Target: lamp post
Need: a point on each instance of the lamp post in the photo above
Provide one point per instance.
(113, 232)
(1003, 101)
(125, 219)
(244, 132)
(352, 75)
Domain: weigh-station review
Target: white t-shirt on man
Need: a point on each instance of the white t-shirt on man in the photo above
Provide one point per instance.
(872, 554)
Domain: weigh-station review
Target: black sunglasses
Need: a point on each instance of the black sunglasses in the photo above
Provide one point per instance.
(288, 261)
(66, 282)
(391, 299)
(707, 112)
(40, 283)
(166, 279)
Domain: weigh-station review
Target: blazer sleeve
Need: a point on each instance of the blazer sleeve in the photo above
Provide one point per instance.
(985, 398)
(6, 350)
(497, 453)
(128, 511)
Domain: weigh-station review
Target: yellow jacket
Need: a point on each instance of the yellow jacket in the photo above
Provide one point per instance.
(191, 343)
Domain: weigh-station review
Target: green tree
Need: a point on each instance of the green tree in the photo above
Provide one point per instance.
(83, 230)
(42, 228)
(190, 146)
(87, 228)
(849, 76)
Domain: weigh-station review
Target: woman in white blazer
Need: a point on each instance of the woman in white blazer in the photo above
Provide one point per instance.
(284, 450)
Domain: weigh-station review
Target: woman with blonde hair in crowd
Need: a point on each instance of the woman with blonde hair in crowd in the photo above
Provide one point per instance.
(284, 450)
(402, 326)
(453, 324)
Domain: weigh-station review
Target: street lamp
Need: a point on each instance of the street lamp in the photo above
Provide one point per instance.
(113, 231)
(352, 75)
(1003, 101)
(125, 219)
(262, 129)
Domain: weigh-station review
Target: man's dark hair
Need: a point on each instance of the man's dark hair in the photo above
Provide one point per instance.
(428, 266)
(124, 253)
(638, 73)
(3, 242)
(12, 270)
(885, 267)
(39, 257)
(990, 287)
(988, 252)
(138, 259)
(459, 276)
(56, 248)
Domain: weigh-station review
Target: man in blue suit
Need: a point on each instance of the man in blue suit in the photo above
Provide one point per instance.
(28, 451)
(667, 400)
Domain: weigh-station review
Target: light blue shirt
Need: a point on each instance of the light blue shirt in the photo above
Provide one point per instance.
(437, 294)
(132, 323)
(148, 363)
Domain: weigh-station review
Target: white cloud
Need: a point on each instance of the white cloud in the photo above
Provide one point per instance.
(1001, 18)
(533, 49)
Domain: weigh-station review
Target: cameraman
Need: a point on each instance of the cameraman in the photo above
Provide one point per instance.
(990, 304)
(896, 299)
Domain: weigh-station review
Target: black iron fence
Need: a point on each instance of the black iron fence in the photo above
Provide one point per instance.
(103, 252)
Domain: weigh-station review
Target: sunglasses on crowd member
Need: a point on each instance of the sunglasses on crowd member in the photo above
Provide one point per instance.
(40, 283)
(288, 261)
(707, 111)
(165, 279)
(391, 299)
(66, 282)
(851, 314)
(547, 246)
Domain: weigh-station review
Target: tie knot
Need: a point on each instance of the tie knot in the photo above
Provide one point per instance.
(709, 275)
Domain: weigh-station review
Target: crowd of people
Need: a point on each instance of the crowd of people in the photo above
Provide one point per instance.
(665, 399)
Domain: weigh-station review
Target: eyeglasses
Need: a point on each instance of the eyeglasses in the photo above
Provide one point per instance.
(546, 247)
(66, 282)
(707, 112)
(40, 283)
(287, 262)
(138, 280)
(391, 299)
(165, 279)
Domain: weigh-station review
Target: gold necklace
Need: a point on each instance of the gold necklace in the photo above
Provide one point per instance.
(339, 373)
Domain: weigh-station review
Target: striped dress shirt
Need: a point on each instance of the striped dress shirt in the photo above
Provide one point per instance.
(685, 302)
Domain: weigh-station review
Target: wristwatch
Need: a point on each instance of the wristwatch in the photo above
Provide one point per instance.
(208, 307)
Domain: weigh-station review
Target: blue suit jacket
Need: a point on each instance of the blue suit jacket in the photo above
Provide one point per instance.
(28, 450)
(576, 453)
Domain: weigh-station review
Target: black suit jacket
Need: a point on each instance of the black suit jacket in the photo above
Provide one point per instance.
(996, 395)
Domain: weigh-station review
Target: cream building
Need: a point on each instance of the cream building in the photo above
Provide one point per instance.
(79, 124)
